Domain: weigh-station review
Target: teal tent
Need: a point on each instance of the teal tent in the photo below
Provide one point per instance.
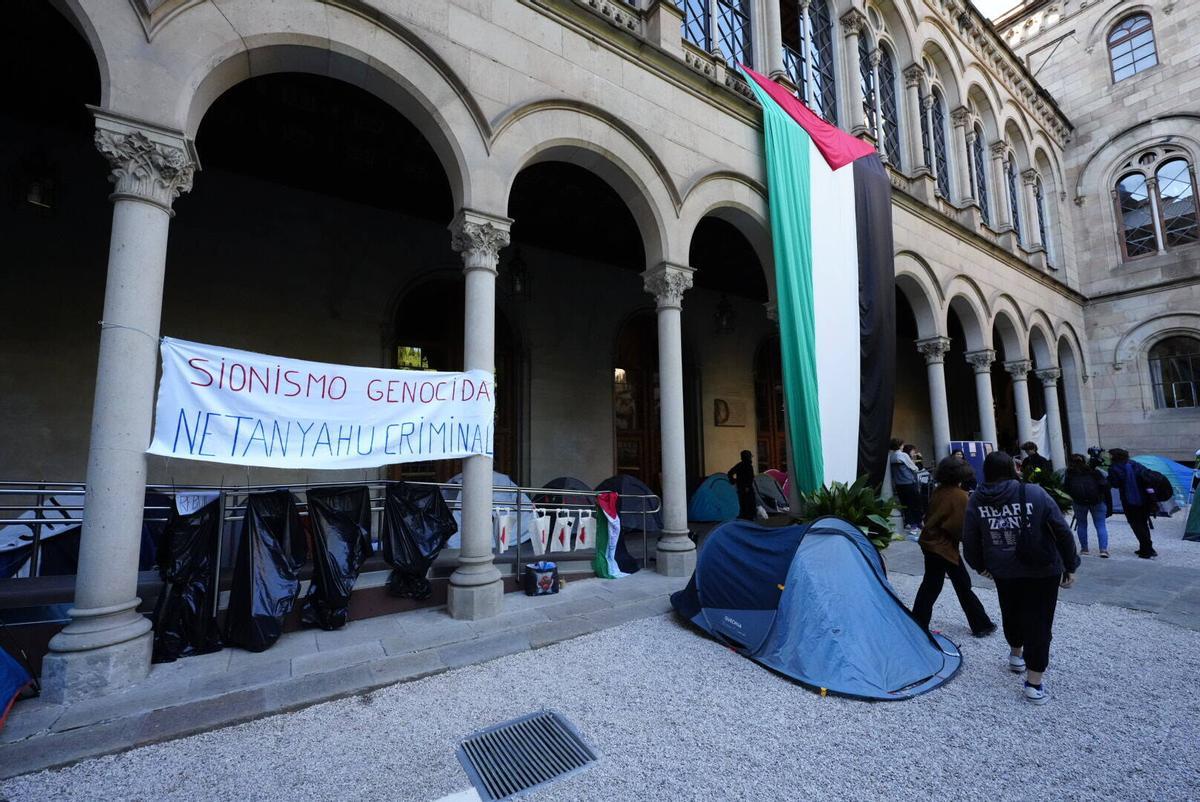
(714, 500)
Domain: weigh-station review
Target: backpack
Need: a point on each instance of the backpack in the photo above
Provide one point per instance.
(1151, 480)
(1033, 549)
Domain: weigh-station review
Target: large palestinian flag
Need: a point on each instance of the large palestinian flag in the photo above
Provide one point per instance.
(831, 227)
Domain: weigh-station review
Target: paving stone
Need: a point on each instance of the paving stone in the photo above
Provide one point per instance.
(554, 631)
(481, 650)
(405, 667)
(583, 606)
(198, 716)
(244, 678)
(29, 717)
(318, 687)
(293, 644)
(188, 668)
(59, 749)
(121, 705)
(323, 661)
(630, 612)
(507, 620)
(358, 632)
(426, 638)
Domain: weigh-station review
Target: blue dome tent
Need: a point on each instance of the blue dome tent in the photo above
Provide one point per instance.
(812, 602)
(714, 500)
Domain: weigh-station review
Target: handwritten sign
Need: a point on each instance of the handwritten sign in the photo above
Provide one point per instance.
(238, 407)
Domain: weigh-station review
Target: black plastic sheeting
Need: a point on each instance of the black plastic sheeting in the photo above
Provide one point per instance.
(340, 521)
(266, 575)
(185, 621)
(416, 525)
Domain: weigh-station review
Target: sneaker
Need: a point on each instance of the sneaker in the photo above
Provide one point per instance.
(983, 633)
(1084, 551)
(1016, 663)
(1104, 554)
(1035, 695)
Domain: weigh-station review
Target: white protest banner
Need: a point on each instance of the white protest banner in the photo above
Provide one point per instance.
(242, 408)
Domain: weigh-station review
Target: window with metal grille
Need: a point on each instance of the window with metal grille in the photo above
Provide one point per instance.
(941, 163)
(1176, 203)
(1039, 202)
(791, 21)
(1175, 371)
(1131, 46)
(866, 80)
(1136, 211)
(1014, 196)
(979, 174)
(695, 23)
(733, 30)
(889, 106)
(820, 57)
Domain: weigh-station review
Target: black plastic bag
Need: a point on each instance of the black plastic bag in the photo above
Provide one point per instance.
(416, 525)
(185, 617)
(340, 520)
(266, 575)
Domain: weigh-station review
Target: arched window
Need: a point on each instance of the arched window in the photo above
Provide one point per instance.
(889, 106)
(1155, 199)
(1176, 202)
(866, 80)
(1131, 46)
(732, 28)
(1136, 211)
(1039, 202)
(808, 53)
(1014, 195)
(937, 122)
(1175, 372)
(979, 173)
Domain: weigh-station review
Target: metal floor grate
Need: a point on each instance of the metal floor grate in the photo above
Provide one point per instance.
(519, 755)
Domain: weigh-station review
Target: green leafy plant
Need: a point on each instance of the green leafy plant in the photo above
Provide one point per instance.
(859, 503)
(1052, 483)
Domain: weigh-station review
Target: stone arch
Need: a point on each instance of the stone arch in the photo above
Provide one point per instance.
(1070, 362)
(985, 110)
(590, 138)
(1042, 351)
(972, 318)
(1098, 172)
(1008, 324)
(935, 31)
(1097, 37)
(944, 74)
(1136, 342)
(916, 282)
(1018, 144)
(73, 12)
(897, 32)
(398, 68)
(737, 200)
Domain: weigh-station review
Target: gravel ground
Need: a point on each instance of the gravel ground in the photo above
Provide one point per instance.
(1167, 536)
(678, 717)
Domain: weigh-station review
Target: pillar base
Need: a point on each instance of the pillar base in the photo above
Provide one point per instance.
(69, 677)
(476, 601)
(676, 555)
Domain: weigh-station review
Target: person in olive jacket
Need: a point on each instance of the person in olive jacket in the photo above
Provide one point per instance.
(939, 543)
(1088, 489)
(1001, 514)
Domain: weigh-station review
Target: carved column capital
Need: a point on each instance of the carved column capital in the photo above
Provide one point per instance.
(981, 360)
(934, 349)
(853, 22)
(1029, 177)
(479, 238)
(927, 102)
(667, 283)
(961, 117)
(1017, 368)
(913, 74)
(1048, 376)
(998, 150)
(148, 164)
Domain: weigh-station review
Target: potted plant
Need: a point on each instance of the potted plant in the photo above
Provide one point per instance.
(858, 503)
(1052, 483)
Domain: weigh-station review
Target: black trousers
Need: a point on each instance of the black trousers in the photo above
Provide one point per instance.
(910, 500)
(1139, 522)
(1027, 610)
(747, 506)
(937, 568)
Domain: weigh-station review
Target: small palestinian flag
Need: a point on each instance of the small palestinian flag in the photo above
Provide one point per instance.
(608, 533)
(831, 231)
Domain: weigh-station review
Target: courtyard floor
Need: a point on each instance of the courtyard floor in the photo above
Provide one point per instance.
(676, 716)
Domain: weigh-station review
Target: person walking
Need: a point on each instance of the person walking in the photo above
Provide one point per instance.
(1033, 460)
(1137, 501)
(939, 542)
(1088, 489)
(742, 476)
(1014, 533)
(904, 480)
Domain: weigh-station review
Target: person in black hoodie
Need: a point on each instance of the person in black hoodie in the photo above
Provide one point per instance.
(742, 476)
(1087, 488)
(1015, 533)
(1137, 500)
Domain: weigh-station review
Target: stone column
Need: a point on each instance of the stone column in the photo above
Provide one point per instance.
(853, 21)
(1152, 189)
(1018, 369)
(913, 75)
(1003, 218)
(476, 590)
(667, 283)
(934, 349)
(107, 643)
(1050, 377)
(772, 60)
(981, 361)
(961, 120)
(1033, 233)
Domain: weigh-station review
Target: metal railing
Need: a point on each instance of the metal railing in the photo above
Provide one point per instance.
(54, 508)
